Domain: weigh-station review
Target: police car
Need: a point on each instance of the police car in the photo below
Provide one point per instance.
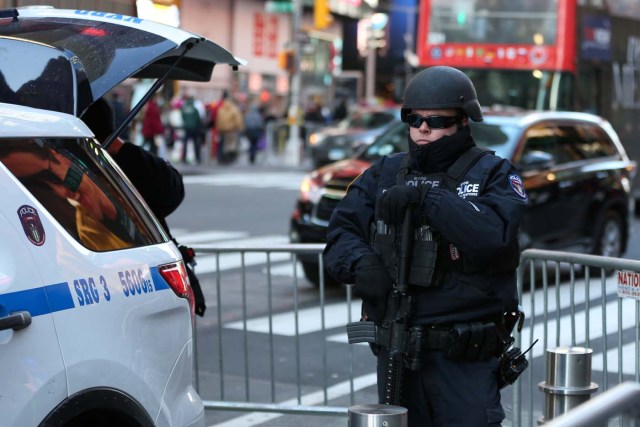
(96, 310)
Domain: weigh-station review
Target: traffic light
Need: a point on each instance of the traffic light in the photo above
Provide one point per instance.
(285, 60)
(321, 15)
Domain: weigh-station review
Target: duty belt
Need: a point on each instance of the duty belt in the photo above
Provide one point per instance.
(461, 341)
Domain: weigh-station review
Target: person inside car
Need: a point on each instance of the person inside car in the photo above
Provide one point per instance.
(467, 204)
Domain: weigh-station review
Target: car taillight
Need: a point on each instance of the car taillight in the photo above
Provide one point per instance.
(176, 276)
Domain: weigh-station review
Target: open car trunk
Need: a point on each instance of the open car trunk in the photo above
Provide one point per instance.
(64, 60)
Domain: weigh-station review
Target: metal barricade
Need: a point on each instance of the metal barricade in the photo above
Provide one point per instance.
(577, 306)
(621, 399)
(240, 351)
(569, 299)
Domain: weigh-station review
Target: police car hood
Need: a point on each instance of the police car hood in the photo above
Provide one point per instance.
(82, 55)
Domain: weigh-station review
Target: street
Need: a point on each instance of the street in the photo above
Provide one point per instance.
(241, 205)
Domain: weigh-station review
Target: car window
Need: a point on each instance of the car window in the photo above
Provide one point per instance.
(102, 53)
(543, 140)
(45, 78)
(500, 137)
(570, 139)
(568, 143)
(74, 181)
(392, 141)
(366, 119)
(594, 142)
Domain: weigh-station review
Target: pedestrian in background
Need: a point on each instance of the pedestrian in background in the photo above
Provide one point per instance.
(191, 126)
(253, 129)
(340, 113)
(462, 270)
(229, 124)
(314, 114)
(152, 126)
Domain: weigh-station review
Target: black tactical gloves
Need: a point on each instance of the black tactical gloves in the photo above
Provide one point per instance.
(395, 200)
(373, 285)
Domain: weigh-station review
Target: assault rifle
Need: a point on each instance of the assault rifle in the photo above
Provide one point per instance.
(402, 342)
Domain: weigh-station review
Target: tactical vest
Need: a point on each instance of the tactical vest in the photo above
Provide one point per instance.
(432, 255)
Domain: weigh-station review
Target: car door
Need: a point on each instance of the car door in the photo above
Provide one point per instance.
(539, 161)
(579, 179)
(558, 187)
(31, 365)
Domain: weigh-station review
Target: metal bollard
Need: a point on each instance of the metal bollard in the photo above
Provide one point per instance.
(568, 380)
(376, 415)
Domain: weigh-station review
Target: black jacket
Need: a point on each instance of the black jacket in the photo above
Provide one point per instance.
(159, 183)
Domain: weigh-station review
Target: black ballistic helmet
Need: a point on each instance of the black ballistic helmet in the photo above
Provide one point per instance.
(441, 87)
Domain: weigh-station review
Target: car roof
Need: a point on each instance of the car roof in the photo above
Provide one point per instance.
(17, 121)
(104, 49)
(525, 117)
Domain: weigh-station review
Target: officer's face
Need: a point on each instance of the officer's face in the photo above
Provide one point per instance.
(424, 134)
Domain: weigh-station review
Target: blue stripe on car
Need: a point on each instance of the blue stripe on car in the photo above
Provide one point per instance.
(38, 301)
(52, 298)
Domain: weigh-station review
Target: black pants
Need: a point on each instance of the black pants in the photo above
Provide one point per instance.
(191, 135)
(447, 394)
(149, 144)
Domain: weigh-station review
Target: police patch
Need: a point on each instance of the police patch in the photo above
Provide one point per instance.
(517, 185)
(31, 224)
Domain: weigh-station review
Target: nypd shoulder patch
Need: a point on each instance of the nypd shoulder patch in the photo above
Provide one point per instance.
(517, 185)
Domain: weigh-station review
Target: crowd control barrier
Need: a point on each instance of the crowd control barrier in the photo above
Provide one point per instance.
(576, 300)
(262, 313)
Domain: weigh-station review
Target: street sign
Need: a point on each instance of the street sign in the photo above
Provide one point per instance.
(278, 6)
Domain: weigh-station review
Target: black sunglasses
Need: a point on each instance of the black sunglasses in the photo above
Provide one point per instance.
(434, 122)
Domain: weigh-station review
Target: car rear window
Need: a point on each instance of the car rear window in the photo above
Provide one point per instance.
(44, 79)
(102, 54)
(78, 186)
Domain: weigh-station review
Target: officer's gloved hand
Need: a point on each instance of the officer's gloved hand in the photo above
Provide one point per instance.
(395, 200)
(373, 285)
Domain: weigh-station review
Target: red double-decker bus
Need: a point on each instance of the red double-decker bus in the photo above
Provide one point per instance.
(581, 55)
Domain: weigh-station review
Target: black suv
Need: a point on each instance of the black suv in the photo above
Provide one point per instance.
(574, 168)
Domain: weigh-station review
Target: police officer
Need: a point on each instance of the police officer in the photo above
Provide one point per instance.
(467, 204)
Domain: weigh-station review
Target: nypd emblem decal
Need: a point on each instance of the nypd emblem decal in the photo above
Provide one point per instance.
(517, 185)
(31, 224)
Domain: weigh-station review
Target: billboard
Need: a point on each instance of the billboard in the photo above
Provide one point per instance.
(513, 34)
